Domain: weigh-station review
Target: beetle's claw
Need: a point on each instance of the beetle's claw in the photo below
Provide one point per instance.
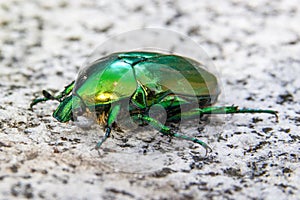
(276, 115)
(99, 153)
(31, 106)
(94, 148)
(98, 145)
(207, 150)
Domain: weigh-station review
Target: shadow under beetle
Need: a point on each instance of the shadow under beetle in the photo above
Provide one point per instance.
(142, 79)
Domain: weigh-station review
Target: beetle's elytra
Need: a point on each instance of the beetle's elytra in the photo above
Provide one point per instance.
(142, 79)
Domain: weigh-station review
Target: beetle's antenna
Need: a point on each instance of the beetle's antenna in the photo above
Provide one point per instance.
(49, 96)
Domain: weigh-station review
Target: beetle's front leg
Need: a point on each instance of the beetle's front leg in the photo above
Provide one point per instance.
(47, 96)
(112, 116)
(103, 139)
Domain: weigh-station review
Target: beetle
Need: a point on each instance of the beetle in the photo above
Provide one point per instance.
(142, 79)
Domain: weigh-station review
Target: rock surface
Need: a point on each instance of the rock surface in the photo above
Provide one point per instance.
(255, 47)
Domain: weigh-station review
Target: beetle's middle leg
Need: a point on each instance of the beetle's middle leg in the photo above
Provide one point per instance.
(167, 131)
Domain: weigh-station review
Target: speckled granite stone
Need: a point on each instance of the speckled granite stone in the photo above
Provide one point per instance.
(254, 45)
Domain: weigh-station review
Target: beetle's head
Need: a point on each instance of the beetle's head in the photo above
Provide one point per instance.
(67, 107)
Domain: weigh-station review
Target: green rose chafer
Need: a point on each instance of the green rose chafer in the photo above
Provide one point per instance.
(135, 81)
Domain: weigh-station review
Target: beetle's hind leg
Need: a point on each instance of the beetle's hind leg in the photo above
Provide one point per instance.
(220, 110)
(47, 96)
(167, 131)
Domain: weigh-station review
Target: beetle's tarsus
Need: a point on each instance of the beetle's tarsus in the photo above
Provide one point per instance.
(249, 110)
(207, 150)
(107, 134)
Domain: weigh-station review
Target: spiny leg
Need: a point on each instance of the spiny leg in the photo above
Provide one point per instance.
(220, 110)
(47, 96)
(167, 131)
(113, 113)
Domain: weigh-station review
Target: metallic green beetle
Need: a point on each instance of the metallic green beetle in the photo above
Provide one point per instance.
(141, 80)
